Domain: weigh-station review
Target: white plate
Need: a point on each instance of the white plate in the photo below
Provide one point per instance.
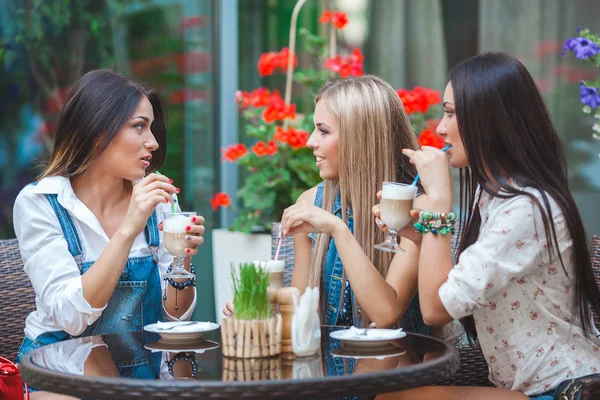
(196, 346)
(375, 338)
(389, 351)
(181, 330)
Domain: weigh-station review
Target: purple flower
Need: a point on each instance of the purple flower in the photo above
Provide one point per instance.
(589, 95)
(582, 47)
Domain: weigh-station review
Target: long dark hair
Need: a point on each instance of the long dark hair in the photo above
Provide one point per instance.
(507, 132)
(98, 106)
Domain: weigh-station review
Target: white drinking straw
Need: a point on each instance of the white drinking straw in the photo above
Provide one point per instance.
(278, 246)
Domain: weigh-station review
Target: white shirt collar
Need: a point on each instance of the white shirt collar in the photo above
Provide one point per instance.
(52, 185)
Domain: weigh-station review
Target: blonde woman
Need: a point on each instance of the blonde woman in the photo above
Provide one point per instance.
(360, 130)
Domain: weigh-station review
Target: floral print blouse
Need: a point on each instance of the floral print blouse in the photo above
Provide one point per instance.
(521, 300)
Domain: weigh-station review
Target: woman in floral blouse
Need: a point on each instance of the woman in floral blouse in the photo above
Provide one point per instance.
(523, 284)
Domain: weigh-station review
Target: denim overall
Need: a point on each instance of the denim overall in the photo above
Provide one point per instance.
(135, 302)
(341, 311)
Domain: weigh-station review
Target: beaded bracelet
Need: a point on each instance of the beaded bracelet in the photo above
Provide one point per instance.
(183, 356)
(179, 285)
(436, 222)
(182, 285)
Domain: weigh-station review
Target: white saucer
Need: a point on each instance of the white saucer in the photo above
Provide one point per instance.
(374, 339)
(196, 346)
(389, 351)
(181, 330)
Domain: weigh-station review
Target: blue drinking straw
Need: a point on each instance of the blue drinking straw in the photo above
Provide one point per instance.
(444, 149)
(174, 201)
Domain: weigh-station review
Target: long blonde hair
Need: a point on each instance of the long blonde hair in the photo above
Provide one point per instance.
(374, 128)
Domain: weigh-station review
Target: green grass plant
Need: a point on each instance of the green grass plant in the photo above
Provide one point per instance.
(250, 292)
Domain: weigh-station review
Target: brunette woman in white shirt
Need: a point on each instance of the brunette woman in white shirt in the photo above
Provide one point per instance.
(523, 283)
(88, 230)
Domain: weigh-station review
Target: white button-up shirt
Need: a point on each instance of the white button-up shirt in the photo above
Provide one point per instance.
(53, 271)
(521, 301)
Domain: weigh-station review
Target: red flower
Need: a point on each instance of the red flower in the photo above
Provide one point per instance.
(428, 138)
(220, 199)
(269, 62)
(419, 99)
(347, 66)
(262, 149)
(275, 107)
(340, 19)
(233, 152)
(258, 98)
(325, 17)
(278, 110)
(296, 138)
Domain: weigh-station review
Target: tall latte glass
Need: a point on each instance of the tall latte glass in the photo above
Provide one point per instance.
(174, 233)
(394, 211)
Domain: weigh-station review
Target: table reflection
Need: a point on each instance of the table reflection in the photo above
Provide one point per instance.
(143, 355)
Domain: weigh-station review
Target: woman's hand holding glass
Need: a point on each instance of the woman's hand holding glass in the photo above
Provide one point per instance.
(193, 232)
(304, 217)
(408, 231)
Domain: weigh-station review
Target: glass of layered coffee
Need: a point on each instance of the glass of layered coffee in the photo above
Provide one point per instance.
(174, 232)
(394, 211)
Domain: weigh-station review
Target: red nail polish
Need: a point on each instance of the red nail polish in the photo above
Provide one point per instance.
(188, 228)
(170, 180)
(166, 201)
(177, 190)
(187, 250)
(194, 219)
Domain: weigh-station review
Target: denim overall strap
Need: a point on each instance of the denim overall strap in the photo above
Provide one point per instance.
(137, 298)
(68, 228)
(319, 203)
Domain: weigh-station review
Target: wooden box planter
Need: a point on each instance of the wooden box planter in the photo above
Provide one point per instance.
(251, 369)
(251, 338)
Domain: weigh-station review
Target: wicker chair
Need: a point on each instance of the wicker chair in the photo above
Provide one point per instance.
(17, 299)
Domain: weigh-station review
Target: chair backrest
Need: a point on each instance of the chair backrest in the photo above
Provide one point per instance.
(286, 252)
(595, 256)
(17, 299)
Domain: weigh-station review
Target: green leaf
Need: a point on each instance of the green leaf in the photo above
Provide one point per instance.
(245, 221)
(307, 172)
(306, 76)
(94, 27)
(255, 198)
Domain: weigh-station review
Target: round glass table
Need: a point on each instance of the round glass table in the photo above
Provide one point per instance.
(141, 365)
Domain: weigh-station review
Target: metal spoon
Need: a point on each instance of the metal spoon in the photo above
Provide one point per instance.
(371, 326)
(176, 326)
